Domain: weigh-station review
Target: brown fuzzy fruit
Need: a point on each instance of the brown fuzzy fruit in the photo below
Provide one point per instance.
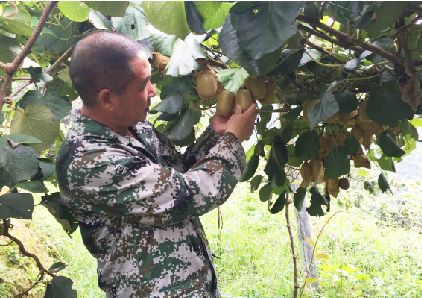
(243, 98)
(361, 162)
(256, 87)
(206, 84)
(317, 171)
(160, 61)
(270, 95)
(332, 187)
(225, 103)
(344, 183)
(306, 173)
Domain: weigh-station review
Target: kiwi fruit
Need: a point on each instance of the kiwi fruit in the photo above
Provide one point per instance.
(344, 183)
(160, 61)
(243, 98)
(225, 103)
(256, 87)
(206, 84)
(332, 187)
(270, 96)
(317, 171)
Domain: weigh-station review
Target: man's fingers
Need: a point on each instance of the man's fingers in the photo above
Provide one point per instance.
(238, 109)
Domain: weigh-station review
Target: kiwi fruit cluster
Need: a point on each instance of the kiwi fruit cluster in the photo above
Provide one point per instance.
(254, 88)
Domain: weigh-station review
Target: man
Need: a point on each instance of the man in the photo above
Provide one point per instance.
(136, 199)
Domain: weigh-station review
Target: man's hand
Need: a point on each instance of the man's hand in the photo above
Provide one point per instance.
(219, 124)
(241, 124)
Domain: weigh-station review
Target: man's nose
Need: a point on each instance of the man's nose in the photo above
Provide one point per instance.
(151, 90)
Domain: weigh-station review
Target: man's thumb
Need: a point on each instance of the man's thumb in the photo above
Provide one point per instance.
(238, 109)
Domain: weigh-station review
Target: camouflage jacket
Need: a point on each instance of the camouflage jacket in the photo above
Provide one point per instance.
(137, 201)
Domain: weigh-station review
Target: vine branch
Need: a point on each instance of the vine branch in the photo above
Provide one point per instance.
(292, 247)
(12, 67)
(350, 40)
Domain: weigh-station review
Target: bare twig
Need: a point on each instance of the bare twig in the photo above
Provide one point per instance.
(313, 250)
(325, 52)
(11, 68)
(22, 250)
(292, 247)
(350, 40)
(25, 292)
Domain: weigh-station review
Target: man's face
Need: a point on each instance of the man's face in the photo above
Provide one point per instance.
(134, 102)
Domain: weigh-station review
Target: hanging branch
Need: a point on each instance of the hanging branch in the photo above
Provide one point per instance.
(292, 247)
(350, 40)
(22, 250)
(12, 67)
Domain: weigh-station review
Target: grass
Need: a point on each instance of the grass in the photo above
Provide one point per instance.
(370, 249)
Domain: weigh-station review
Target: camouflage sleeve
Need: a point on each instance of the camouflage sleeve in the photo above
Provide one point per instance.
(111, 181)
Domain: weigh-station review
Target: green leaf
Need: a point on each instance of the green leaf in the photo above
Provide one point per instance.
(9, 49)
(109, 8)
(61, 287)
(162, 42)
(17, 164)
(299, 198)
(324, 109)
(38, 121)
(16, 205)
(293, 161)
(57, 37)
(56, 267)
(383, 183)
(279, 151)
(317, 200)
(385, 15)
(170, 105)
(58, 105)
(265, 193)
(336, 164)
(385, 98)
(74, 10)
(99, 21)
(20, 138)
(416, 122)
(263, 26)
(386, 163)
(213, 12)
(47, 168)
(16, 20)
(255, 182)
(60, 212)
(279, 203)
(388, 145)
(183, 126)
(232, 78)
(347, 101)
(183, 56)
(290, 59)
(33, 186)
(169, 17)
(133, 24)
(251, 167)
(350, 145)
(194, 18)
(307, 145)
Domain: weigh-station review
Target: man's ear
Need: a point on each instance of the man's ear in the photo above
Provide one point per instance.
(104, 98)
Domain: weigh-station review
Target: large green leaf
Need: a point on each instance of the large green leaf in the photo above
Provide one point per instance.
(169, 17)
(9, 48)
(60, 212)
(170, 105)
(324, 109)
(383, 183)
(194, 18)
(384, 16)
(162, 42)
(336, 164)
(16, 164)
(385, 105)
(16, 205)
(33, 186)
(183, 57)
(133, 24)
(183, 126)
(299, 198)
(109, 8)
(347, 101)
(99, 21)
(61, 287)
(20, 138)
(262, 27)
(16, 20)
(251, 167)
(57, 37)
(265, 193)
(290, 59)
(213, 12)
(307, 145)
(36, 120)
(388, 145)
(76, 11)
(279, 203)
(232, 78)
(279, 151)
(317, 200)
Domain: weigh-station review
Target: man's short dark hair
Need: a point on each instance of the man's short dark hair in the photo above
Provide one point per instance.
(102, 60)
